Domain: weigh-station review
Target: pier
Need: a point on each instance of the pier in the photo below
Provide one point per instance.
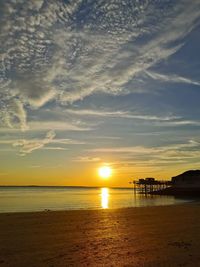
(149, 185)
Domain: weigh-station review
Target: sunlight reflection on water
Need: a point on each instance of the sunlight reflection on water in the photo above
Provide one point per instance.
(21, 199)
(104, 198)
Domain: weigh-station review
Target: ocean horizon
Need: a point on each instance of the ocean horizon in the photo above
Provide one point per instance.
(40, 198)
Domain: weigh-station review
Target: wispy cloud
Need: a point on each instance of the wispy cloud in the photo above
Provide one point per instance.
(180, 123)
(50, 54)
(35, 166)
(164, 121)
(120, 114)
(49, 142)
(87, 159)
(54, 148)
(171, 78)
(143, 156)
(27, 146)
(14, 114)
(58, 125)
(147, 150)
(147, 159)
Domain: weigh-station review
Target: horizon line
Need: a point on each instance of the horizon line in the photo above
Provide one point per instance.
(83, 186)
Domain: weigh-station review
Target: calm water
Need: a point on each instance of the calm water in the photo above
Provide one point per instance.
(23, 199)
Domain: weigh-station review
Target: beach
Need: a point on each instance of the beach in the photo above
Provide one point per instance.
(144, 236)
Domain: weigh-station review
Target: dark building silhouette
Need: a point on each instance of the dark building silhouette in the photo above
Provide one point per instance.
(188, 179)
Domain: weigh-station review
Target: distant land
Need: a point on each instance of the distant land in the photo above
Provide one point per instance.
(62, 186)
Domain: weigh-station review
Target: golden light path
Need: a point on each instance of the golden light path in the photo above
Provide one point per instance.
(104, 198)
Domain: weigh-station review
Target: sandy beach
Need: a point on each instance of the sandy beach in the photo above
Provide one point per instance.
(149, 236)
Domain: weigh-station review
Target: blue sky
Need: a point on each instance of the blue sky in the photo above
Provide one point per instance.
(83, 83)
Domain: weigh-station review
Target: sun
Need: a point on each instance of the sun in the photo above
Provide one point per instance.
(105, 172)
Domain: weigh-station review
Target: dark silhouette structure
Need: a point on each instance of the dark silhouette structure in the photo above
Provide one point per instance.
(150, 185)
(185, 184)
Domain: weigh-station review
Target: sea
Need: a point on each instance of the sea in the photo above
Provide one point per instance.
(36, 198)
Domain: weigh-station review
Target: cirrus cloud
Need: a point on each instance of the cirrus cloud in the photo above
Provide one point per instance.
(52, 51)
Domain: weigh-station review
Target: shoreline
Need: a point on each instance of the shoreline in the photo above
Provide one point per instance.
(139, 236)
(187, 202)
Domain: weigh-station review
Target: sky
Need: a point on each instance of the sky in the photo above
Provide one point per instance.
(87, 83)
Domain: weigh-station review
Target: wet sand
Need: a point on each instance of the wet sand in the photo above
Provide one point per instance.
(150, 236)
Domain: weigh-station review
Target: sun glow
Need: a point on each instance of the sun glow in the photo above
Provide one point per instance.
(105, 172)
